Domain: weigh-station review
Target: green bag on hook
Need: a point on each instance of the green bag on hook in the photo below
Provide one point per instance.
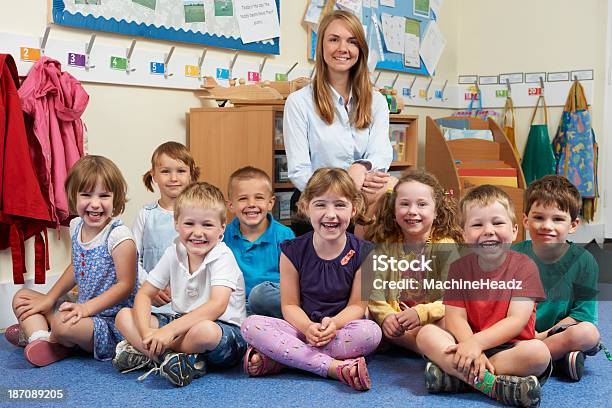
(538, 157)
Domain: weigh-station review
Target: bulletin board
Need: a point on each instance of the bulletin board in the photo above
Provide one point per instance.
(393, 61)
(204, 22)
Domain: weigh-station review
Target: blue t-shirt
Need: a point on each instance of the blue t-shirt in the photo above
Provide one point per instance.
(258, 260)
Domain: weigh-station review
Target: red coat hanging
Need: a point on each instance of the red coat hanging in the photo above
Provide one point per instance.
(23, 209)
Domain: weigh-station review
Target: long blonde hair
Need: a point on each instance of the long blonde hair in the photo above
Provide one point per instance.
(359, 77)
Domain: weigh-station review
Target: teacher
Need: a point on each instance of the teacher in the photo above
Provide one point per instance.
(339, 120)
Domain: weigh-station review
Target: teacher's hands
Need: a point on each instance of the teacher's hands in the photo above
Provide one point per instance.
(358, 173)
(374, 181)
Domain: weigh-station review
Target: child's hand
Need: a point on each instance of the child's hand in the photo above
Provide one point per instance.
(479, 366)
(541, 335)
(162, 297)
(30, 304)
(312, 334)
(408, 319)
(158, 340)
(73, 312)
(391, 327)
(327, 331)
(465, 353)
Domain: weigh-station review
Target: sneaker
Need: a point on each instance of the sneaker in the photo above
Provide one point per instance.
(127, 358)
(42, 352)
(571, 365)
(15, 336)
(436, 380)
(179, 368)
(518, 391)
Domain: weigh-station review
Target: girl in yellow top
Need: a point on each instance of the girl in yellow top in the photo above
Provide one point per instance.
(415, 221)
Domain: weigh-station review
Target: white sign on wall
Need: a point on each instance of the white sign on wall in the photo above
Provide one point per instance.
(257, 20)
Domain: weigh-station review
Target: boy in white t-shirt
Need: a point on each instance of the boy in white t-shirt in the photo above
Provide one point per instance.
(207, 296)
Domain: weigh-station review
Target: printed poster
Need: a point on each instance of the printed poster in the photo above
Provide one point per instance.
(412, 43)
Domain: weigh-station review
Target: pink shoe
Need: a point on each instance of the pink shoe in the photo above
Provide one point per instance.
(42, 352)
(14, 336)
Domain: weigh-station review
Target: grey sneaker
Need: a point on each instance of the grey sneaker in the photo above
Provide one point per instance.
(518, 391)
(179, 368)
(436, 380)
(127, 358)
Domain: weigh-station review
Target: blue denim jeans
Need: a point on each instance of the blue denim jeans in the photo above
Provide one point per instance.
(264, 300)
(227, 353)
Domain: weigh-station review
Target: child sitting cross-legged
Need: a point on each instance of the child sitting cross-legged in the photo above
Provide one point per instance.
(102, 267)
(414, 219)
(207, 291)
(566, 320)
(489, 339)
(324, 330)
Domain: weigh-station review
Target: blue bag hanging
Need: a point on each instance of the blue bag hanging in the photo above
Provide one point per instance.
(576, 150)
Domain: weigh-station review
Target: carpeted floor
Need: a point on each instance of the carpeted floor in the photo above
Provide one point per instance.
(397, 382)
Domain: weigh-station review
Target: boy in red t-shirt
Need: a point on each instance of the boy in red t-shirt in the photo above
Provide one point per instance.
(490, 311)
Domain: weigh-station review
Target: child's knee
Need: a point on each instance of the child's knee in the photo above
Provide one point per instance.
(249, 322)
(206, 333)
(426, 337)
(585, 335)
(19, 296)
(60, 329)
(123, 317)
(369, 328)
(535, 354)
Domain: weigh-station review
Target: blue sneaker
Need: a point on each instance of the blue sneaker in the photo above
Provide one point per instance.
(179, 368)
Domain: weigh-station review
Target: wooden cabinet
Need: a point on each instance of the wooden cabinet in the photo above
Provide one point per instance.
(404, 135)
(222, 140)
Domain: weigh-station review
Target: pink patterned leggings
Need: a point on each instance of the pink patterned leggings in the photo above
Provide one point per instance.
(283, 343)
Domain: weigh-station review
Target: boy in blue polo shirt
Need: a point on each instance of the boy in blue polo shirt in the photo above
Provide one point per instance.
(254, 237)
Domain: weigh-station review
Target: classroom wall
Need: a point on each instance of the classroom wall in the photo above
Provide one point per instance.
(127, 123)
(537, 36)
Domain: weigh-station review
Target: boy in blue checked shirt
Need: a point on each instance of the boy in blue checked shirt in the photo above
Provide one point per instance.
(254, 237)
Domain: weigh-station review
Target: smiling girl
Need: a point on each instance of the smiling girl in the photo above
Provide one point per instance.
(416, 218)
(324, 330)
(103, 268)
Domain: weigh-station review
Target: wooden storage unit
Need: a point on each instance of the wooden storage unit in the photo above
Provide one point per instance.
(222, 140)
(406, 152)
(444, 159)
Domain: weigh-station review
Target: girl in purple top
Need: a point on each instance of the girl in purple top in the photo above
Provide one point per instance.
(324, 330)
